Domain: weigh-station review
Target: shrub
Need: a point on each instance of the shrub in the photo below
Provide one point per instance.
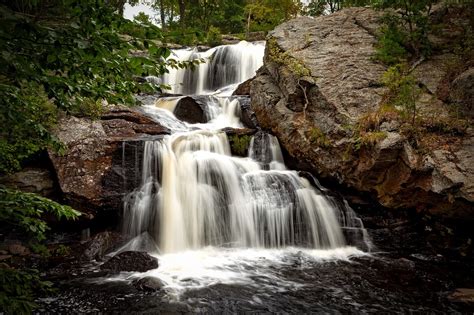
(390, 47)
(26, 119)
(403, 90)
(24, 210)
(240, 144)
(19, 287)
(214, 37)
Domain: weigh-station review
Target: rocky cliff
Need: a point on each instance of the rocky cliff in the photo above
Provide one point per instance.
(102, 157)
(320, 85)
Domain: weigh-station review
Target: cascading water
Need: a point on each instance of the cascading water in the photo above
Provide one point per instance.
(195, 196)
(224, 66)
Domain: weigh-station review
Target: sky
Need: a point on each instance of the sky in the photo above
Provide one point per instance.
(129, 12)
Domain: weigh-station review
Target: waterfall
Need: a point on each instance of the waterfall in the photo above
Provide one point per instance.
(223, 66)
(193, 196)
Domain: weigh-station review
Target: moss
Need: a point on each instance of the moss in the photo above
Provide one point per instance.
(369, 139)
(296, 66)
(317, 137)
(239, 144)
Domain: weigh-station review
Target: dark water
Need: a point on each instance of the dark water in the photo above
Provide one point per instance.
(370, 284)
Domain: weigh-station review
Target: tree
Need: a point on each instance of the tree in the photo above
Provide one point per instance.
(412, 19)
(264, 15)
(142, 18)
(66, 56)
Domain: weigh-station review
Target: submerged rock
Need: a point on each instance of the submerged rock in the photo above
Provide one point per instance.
(130, 261)
(148, 284)
(320, 82)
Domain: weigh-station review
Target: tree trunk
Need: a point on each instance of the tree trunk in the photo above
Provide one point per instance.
(182, 11)
(248, 24)
(162, 14)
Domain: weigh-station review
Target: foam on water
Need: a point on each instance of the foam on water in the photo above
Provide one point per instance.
(195, 269)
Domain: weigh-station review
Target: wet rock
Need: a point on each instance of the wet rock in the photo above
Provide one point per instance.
(243, 88)
(310, 115)
(130, 261)
(239, 140)
(229, 39)
(247, 115)
(190, 110)
(148, 284)
(463, 295)
(35, 180)
(102, 243)
(202, 48)
(239, 131)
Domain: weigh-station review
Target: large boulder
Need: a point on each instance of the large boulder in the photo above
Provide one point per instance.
(191, 110)
(94, 172)
(320, 81)
(130, 261)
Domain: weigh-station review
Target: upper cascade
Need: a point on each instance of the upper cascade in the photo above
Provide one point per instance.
(223, 66)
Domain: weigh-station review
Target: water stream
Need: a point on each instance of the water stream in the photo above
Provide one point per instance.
(211, 217)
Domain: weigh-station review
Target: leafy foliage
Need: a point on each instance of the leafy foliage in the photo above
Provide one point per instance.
(19, 287)
(240, 144)
(214, 36)
(403, 90)
(297, 67)
(26, 117)
(70, 57)
(390, 47)
(24, 210)
(318, 138)
(407, 29)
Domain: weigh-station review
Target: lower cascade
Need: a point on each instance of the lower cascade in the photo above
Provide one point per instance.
(194, 193)
(204, 211)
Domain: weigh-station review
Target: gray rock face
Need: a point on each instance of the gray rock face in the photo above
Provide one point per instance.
(130, 261)
(243, 88)
(314, 116)
(462, 92)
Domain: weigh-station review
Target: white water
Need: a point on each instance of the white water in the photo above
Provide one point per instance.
(215, 218)
(223, 66)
